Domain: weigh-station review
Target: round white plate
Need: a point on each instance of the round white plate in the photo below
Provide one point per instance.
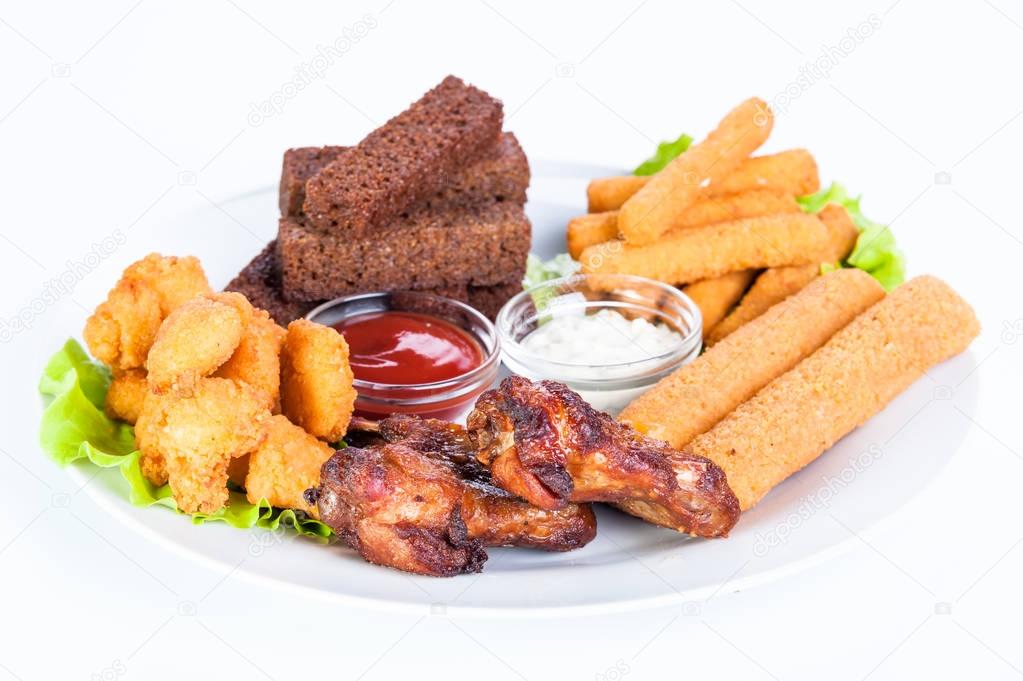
(811, 517)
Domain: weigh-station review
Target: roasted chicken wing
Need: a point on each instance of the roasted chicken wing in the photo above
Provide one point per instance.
(544, 443)
(418, 501)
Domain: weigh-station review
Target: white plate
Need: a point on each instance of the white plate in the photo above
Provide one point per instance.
(630, 565)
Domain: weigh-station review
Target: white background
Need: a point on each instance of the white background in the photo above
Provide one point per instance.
(126, 118)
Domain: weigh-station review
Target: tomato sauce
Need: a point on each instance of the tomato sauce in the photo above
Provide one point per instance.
(405, 348)
(394, 353)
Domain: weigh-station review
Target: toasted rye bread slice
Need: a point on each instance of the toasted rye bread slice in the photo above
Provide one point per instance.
(260, 282)
(411, 157)
(472, 243)
(501, 174)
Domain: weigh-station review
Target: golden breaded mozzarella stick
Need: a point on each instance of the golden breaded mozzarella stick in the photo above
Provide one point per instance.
(691, 400)
(688, 255)
(715, 297)
(596, 228)
(778, 283)
(853, 376)
(609, 193)
(589, 229)
(771, 287)
(654, 209)
(787, 172)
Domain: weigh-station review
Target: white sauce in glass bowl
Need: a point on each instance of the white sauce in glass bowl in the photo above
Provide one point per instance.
(600, 339)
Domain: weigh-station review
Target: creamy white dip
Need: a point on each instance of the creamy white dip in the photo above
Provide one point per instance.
(600, 339)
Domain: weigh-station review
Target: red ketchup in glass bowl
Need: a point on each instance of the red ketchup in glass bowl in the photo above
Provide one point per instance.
(414, 353)
(407, 347)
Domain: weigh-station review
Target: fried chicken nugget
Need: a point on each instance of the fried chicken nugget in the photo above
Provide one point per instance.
(196, 435)
(256, 360)
(316, 380)
(285, 466)
(193, 342)
(239, 302)
(176, 280)
(122, 329)
(147, 435)
(126, 394)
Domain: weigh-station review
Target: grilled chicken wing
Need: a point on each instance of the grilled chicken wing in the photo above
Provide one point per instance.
(418, 500)
(545, 444)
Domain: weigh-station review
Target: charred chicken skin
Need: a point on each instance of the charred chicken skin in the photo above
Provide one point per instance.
(417, 500)
(545, 444)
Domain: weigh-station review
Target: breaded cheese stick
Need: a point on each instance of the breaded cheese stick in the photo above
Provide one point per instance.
(654, 209)
(595, 228)
(691, 400)
(688, 255)
(609, 193)
(853, 376)
(787, 172)
(715, 297)
(771, 287)
(589, 229)
(778, 283)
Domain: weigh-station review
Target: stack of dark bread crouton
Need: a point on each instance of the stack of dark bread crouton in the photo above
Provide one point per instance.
(431, 201)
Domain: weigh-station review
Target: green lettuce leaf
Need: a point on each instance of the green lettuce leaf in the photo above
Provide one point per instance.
(665, 154)
(876, 252)
(538, 271)
(74, 427)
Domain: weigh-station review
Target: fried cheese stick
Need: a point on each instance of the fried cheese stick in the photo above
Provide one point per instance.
(655, 208)
(715, 297)
(694, 398)
(771, 287)
(596, 228)
(688, 255)
(787, 172)
(853, 376)
(778, 283)
(593, 228)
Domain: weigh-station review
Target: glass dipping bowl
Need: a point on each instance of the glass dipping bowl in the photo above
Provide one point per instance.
(447, 399)
(606, 386)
